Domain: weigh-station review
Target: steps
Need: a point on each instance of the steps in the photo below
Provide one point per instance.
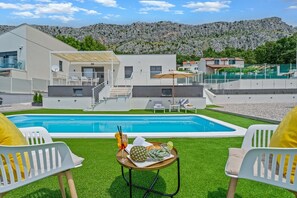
(116, 92)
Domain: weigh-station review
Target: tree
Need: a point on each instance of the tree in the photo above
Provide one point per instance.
(90, 44)
(87, 44)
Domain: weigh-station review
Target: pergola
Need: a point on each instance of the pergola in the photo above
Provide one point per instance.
(87, 56)
(103, 57)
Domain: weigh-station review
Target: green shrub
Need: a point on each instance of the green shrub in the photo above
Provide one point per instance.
(35, 97)
(39, 98)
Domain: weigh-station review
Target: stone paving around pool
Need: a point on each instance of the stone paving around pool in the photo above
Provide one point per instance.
(17, 107)
(267, 111)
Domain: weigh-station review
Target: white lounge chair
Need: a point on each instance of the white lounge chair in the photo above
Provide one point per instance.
(186, 105)
(256, 161)
(158, 105)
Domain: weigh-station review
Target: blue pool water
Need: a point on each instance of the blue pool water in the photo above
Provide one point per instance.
(108, 124)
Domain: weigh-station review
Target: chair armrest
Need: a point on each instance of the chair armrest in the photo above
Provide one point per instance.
(258, 135)
(36, 135)
(261, 164)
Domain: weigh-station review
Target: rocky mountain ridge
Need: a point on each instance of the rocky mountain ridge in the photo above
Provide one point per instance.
(168, 37)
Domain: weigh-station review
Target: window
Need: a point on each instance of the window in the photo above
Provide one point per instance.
(155, 70)
(60, 65)
(77, 92)
(166, 92)
(9, 60)
(128, 71)
(216, 62)
(232, 62)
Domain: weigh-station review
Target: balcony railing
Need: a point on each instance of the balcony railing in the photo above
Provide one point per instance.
(19, 65)
(79, 78)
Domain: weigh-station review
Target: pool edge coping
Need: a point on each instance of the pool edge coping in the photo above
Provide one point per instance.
(239, 131)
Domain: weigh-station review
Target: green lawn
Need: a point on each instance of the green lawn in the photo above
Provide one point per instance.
(202, 167)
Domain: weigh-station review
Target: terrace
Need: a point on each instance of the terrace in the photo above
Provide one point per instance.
(204, 158)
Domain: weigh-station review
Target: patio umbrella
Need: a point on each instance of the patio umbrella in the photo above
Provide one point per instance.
(173, 74)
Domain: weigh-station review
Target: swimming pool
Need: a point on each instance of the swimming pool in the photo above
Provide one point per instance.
(106, 125)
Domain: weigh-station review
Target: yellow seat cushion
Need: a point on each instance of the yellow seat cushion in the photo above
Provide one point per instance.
(10, 135)
(285, 136)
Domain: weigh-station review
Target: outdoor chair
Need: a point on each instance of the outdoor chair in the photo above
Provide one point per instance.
(48, 162)
(158, 105)
(22, 165)
(85, 80)
(186, 105)
(39, 135)
(74, 80)
(256, 161)
(95, 81)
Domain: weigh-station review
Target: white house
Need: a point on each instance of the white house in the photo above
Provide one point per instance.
(24, 59)
(31, 60)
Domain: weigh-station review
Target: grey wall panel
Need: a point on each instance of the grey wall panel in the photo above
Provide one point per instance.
(69, 91)
(156, 91)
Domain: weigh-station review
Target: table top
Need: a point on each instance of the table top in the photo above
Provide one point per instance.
(157, 166)
(174, 105)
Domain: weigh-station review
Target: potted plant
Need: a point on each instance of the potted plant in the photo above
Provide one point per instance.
(37, 99)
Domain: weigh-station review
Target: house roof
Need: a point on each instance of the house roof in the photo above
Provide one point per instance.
(87, 56)
(219, 66)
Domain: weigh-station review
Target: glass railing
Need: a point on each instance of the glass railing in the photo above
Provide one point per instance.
(19, 65)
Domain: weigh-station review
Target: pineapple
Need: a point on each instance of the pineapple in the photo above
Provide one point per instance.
(138, 153)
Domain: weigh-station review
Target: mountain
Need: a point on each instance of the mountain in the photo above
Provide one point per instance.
(168, 37)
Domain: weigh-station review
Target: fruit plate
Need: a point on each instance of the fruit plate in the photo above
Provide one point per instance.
(148, 162)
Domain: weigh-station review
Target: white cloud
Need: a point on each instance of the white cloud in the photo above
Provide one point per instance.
(25, 14)
(209, 6)
(292, 7)
(16, 6)
(109, 16)
(178, 12)
(64, 19)
(47, 9)
(108, 3)
(155, 5)
(44, 1)
(142, 12)
(89, 12)
(56, 8)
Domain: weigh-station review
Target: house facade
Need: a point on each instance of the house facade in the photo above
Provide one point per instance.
(211, 65)
(24, 59)
(31, 60)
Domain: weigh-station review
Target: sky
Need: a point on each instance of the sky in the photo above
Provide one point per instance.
(77, 13)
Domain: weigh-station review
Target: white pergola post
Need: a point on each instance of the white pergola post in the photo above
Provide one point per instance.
(111, 73)
(50, 68)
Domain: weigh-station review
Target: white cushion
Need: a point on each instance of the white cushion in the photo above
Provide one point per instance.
(234, 161)
(76, 159)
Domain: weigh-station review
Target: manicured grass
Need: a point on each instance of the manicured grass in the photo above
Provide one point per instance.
(202, 168)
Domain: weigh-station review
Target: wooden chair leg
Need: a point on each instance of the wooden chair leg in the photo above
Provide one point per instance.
(71, 184)
(61, 184)
(232, 187)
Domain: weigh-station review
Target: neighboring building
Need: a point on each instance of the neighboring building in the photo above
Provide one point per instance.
(210, 65)
(190, 66)
(24, 56)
